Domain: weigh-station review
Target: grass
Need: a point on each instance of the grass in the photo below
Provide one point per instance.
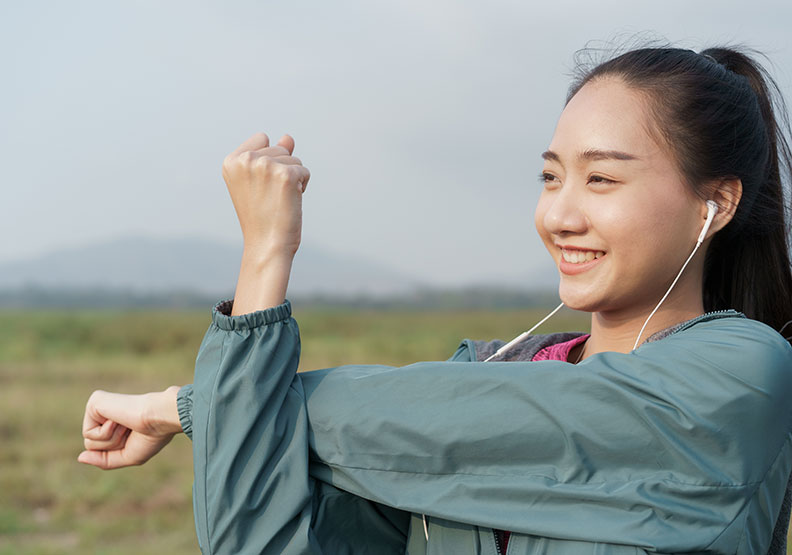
(51, 361)
(49, 364)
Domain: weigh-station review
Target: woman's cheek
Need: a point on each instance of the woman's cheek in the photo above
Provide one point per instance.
(540, 210)
(539, 223)
(626, 220)
(617, 227)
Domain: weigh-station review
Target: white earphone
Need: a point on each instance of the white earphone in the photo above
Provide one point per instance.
(712, 209)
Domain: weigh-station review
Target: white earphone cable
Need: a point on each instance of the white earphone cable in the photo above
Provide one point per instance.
(523, 335)
(640, 333)
(712, 210)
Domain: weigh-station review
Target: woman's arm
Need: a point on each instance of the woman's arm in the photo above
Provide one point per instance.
(658, 448)
(682, 445)
(253, 492)
(266, 186)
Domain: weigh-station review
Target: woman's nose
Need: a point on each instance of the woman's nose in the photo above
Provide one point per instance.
(564, 214)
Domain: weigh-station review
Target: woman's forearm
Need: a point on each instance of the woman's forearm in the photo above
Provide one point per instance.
(263, 279)
(166, 413)
(266, 185)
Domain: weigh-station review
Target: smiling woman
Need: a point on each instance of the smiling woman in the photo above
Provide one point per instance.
(618, 217)
(663, 207)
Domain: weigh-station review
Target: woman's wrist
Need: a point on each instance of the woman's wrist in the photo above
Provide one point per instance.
(165, 414)
(263, 278)
(266, 250)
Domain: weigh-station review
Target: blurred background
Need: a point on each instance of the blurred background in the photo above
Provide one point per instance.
(422, 125)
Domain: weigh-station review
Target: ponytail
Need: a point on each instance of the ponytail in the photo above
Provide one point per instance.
(748, 266)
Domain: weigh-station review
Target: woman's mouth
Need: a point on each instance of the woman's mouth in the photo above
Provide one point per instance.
(580, 256)
(575, 261)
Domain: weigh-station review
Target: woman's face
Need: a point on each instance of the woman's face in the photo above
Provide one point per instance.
(615, 213)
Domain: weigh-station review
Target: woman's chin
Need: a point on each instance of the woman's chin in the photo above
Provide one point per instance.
(576, 299)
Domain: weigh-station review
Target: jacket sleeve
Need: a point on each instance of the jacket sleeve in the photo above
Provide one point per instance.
(677, 446)
(247, 418)
(680, 445)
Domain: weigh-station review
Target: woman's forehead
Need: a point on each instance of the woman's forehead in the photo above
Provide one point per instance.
(605, 116)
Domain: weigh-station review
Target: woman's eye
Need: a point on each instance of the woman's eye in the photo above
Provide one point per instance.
(599, 179)
(550, 180)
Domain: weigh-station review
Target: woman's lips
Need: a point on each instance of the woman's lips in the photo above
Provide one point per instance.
(576, 261)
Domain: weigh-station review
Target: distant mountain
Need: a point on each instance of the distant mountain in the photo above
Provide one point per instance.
(146, 265)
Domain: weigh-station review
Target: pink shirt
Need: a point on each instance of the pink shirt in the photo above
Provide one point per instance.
(560, 351)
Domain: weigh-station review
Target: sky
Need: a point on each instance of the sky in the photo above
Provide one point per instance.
(422, 122)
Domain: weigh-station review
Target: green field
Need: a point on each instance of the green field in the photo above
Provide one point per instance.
(50, 362)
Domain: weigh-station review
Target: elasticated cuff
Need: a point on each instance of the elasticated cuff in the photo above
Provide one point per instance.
(184, 404)
(222, 319)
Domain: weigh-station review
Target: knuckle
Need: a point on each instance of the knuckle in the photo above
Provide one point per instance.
(92, 398)
(299, 174)
(283, 172)
(264, 162)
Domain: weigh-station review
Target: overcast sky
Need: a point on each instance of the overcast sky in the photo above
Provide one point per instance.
(421, 121)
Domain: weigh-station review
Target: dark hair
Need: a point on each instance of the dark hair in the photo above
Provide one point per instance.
(723, 117)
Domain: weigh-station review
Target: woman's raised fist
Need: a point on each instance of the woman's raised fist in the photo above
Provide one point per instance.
(266, 184)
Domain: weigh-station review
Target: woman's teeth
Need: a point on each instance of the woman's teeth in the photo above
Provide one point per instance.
(578, 257)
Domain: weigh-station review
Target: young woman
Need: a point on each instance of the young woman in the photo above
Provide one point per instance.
(667, 434)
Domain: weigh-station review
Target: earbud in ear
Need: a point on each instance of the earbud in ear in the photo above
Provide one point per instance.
(712, 209)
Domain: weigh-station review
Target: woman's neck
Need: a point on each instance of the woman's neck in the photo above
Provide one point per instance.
(618, 330)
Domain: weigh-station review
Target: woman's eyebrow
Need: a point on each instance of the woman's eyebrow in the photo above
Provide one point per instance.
(593, 154)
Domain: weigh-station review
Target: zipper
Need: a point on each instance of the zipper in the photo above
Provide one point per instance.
(706, 317)
(498, 546)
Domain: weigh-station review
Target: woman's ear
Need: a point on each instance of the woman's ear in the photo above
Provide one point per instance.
(726, 193)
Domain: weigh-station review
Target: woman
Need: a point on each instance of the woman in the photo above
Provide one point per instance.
(681, 444)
